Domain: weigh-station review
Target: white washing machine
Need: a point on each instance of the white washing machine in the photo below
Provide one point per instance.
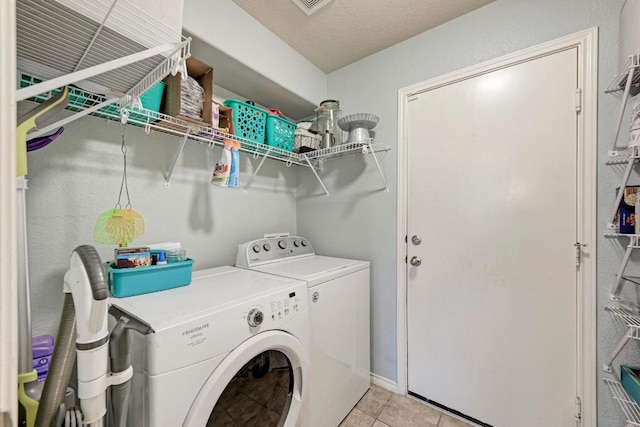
(204, 361)
(339, 315)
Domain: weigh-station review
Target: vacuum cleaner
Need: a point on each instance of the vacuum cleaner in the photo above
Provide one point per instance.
(84, 334)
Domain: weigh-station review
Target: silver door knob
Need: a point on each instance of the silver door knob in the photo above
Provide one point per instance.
(416, 240)
(416, 261)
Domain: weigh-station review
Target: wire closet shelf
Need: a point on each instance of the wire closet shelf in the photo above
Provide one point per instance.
(81, 100)
(629, 406)
(111, 46)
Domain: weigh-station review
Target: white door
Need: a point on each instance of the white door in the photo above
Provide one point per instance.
(492, 194)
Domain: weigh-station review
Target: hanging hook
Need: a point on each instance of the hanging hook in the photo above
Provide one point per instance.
(147, 127)
(175, 69)
(124, 115)
(289, 162)
(183, 68)
(137, 103)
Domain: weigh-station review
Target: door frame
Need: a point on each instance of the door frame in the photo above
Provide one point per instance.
(587, 44)
(8, 219)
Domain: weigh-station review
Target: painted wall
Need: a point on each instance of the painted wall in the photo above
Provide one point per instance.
(359, 221)
(225, 26)
(74, 179)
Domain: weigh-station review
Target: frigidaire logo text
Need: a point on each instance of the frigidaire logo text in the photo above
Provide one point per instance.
(196, 329)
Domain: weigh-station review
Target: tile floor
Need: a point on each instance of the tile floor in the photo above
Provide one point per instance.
(381, 408)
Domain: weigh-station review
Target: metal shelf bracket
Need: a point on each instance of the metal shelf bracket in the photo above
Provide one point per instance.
(326, 192)
(375, 158)
(616, 288)
(167, 181)
(623, 102)
(255, 172)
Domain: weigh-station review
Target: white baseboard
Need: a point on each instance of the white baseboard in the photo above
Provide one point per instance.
(384, 383)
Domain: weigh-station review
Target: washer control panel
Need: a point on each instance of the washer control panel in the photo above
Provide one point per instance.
(271, 249)
(275, 309)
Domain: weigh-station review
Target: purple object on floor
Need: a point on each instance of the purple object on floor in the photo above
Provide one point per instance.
(42, 141)
(42, 346)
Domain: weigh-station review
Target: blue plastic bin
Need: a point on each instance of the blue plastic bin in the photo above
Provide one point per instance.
(126, 282)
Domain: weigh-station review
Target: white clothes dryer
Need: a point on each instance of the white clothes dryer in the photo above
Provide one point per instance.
(339, 320)
(213, 345)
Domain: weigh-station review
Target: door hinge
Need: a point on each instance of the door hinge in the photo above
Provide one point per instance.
(579, 247)
(578, 100)
(578, 409)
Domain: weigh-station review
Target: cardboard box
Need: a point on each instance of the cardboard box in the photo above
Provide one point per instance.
(225, 123)
(132, 257)
(203, 74)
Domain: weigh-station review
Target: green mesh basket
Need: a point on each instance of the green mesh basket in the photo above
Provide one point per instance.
(280, 133)
(249, 121)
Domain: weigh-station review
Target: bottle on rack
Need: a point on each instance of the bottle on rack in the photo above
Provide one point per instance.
(327, 115)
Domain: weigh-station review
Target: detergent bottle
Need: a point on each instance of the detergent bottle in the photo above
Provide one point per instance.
(234, 173)
(221, 171)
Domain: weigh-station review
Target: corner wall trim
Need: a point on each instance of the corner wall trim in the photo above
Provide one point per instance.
(384, 383)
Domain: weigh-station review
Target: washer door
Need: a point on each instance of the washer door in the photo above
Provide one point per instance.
(278, 363)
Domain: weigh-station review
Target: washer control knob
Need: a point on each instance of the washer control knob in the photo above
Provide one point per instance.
(282, 244)
(255, 317)
(303, 242)
(267, 247)
(296, 243)
(256, 248)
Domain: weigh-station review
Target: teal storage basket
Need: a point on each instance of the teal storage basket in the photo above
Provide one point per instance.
(150, 101)
(630, 381)
(126, 282)
(249, 121)
(280, 133)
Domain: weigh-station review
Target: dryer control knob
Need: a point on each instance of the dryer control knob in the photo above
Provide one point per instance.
(255, 317)
(257, 248)
(303, 242)
(296, 243)
(282, 244)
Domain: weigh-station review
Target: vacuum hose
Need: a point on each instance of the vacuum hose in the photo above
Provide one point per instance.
(119, 350)
(64, 354)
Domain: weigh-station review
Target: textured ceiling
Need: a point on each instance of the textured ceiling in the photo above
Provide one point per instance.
(344, 31)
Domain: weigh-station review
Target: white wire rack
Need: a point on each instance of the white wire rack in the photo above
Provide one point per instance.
(628, 319)
(619, 81)
(629, 406)
(627, 79)
(83, 102)
(620, 278)
(110, 43)
(627, 157)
